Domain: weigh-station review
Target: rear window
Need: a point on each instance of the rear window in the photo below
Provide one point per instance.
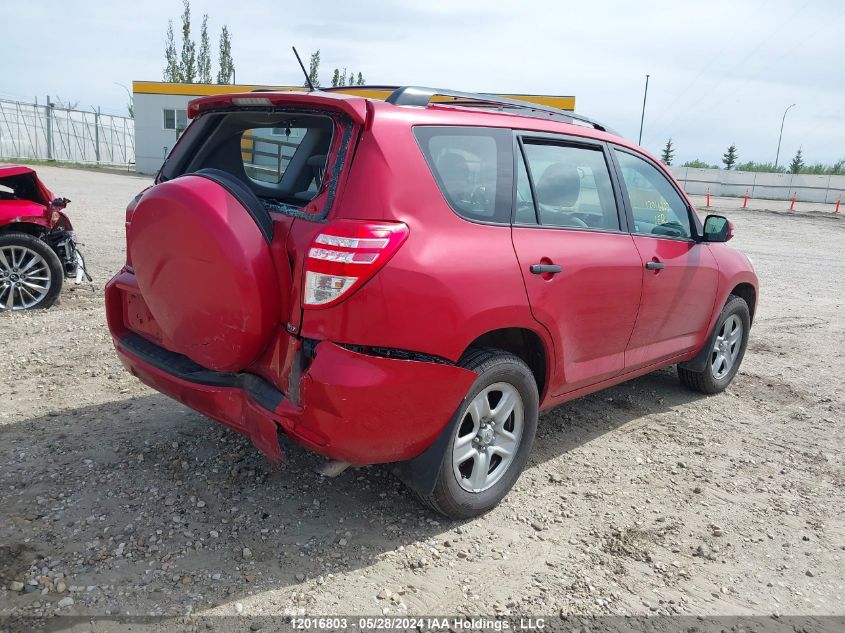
(473, 168)
(286, 157)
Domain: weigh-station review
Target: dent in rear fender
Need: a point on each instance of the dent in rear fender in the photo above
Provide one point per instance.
(378, 410)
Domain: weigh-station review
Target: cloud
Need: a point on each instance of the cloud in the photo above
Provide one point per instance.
(721, 71)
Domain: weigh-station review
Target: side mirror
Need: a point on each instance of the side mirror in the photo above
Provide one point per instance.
(717, 228)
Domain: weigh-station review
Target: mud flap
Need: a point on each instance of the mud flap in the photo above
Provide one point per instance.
(264, 433)
(420, 474)
(699, 361)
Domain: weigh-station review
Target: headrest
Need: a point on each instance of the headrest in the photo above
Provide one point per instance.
(559, 186)
(452, 166)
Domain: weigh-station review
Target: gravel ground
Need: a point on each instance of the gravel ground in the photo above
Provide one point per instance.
(644, 499)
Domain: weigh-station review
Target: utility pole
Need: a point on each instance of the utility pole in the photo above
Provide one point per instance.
(777, 156)
(642, 118)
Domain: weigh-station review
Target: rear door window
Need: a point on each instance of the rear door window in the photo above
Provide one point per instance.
(571, 186)
(473, 169)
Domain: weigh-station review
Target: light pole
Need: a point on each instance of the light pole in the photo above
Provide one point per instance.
(780, 136)
(642, 118)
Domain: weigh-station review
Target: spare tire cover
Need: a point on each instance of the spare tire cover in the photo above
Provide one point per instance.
(205, 271)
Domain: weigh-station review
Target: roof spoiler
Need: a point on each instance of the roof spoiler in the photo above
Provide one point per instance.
(356, 109)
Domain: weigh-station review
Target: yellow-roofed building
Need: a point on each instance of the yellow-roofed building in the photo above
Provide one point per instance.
(160, 110)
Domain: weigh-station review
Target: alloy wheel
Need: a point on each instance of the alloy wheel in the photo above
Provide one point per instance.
(488, 437)
(25, 278)
(726, 347)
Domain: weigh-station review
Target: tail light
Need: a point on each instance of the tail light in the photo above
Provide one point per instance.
(345, 255)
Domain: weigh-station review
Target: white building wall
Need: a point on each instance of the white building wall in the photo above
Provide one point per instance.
(152, 141)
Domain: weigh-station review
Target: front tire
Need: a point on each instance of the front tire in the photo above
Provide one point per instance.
(727, 349)
(31, 274)
(491, 436)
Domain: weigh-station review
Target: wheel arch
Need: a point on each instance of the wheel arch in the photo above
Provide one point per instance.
(747, 293)
(524, 343)
(29, 228)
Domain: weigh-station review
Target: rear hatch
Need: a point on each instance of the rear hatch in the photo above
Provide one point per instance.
(213, 269)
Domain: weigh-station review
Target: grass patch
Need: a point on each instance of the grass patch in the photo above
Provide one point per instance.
(32, 162)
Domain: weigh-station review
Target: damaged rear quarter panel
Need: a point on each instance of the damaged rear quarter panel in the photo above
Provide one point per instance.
(379, 410)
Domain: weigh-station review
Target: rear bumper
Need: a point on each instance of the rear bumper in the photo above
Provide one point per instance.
(352, 407)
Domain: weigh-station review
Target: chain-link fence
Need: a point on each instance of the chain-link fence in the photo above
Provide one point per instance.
(45, 132)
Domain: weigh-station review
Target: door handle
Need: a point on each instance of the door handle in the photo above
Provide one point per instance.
(655, 266)
(545, 269)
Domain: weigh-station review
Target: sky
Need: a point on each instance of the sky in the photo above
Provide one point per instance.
(722, 72)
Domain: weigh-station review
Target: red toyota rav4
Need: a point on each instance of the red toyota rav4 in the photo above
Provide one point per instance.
(411, 281)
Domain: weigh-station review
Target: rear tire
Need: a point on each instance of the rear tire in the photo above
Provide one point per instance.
(31, 275)
(493, 429)
(727, 346)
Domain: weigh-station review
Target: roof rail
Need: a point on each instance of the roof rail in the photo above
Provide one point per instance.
(421, 97)
(367, 87)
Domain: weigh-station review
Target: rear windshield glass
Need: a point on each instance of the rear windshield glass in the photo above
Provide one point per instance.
(473, 168)
(287, 158)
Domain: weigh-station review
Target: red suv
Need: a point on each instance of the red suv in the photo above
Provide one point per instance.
(411, 281)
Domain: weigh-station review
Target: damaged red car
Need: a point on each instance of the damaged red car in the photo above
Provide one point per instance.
(37, 243)
(412, 281)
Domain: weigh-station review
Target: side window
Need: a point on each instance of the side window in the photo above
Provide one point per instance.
(572, 186)
(657, 207)
(473, 169)
(175, 119)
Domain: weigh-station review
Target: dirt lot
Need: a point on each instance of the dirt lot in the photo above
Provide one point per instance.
(644, 499)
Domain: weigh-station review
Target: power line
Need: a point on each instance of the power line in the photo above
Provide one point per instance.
(709, 100)
(707, 65)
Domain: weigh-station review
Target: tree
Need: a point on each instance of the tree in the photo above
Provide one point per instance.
(204, 57)
(797, 163)
(188, 63)
(668, 153)
(171, 62)
(314, 70)
(226, 73)
(360, 79)
(335, 78)
(760, 167)
(351, 79)
(729, 157)
(699, 164)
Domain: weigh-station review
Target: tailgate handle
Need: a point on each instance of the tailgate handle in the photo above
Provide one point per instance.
(544, 269)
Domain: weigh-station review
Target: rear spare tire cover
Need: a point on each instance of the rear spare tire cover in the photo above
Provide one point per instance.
(205, 271)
